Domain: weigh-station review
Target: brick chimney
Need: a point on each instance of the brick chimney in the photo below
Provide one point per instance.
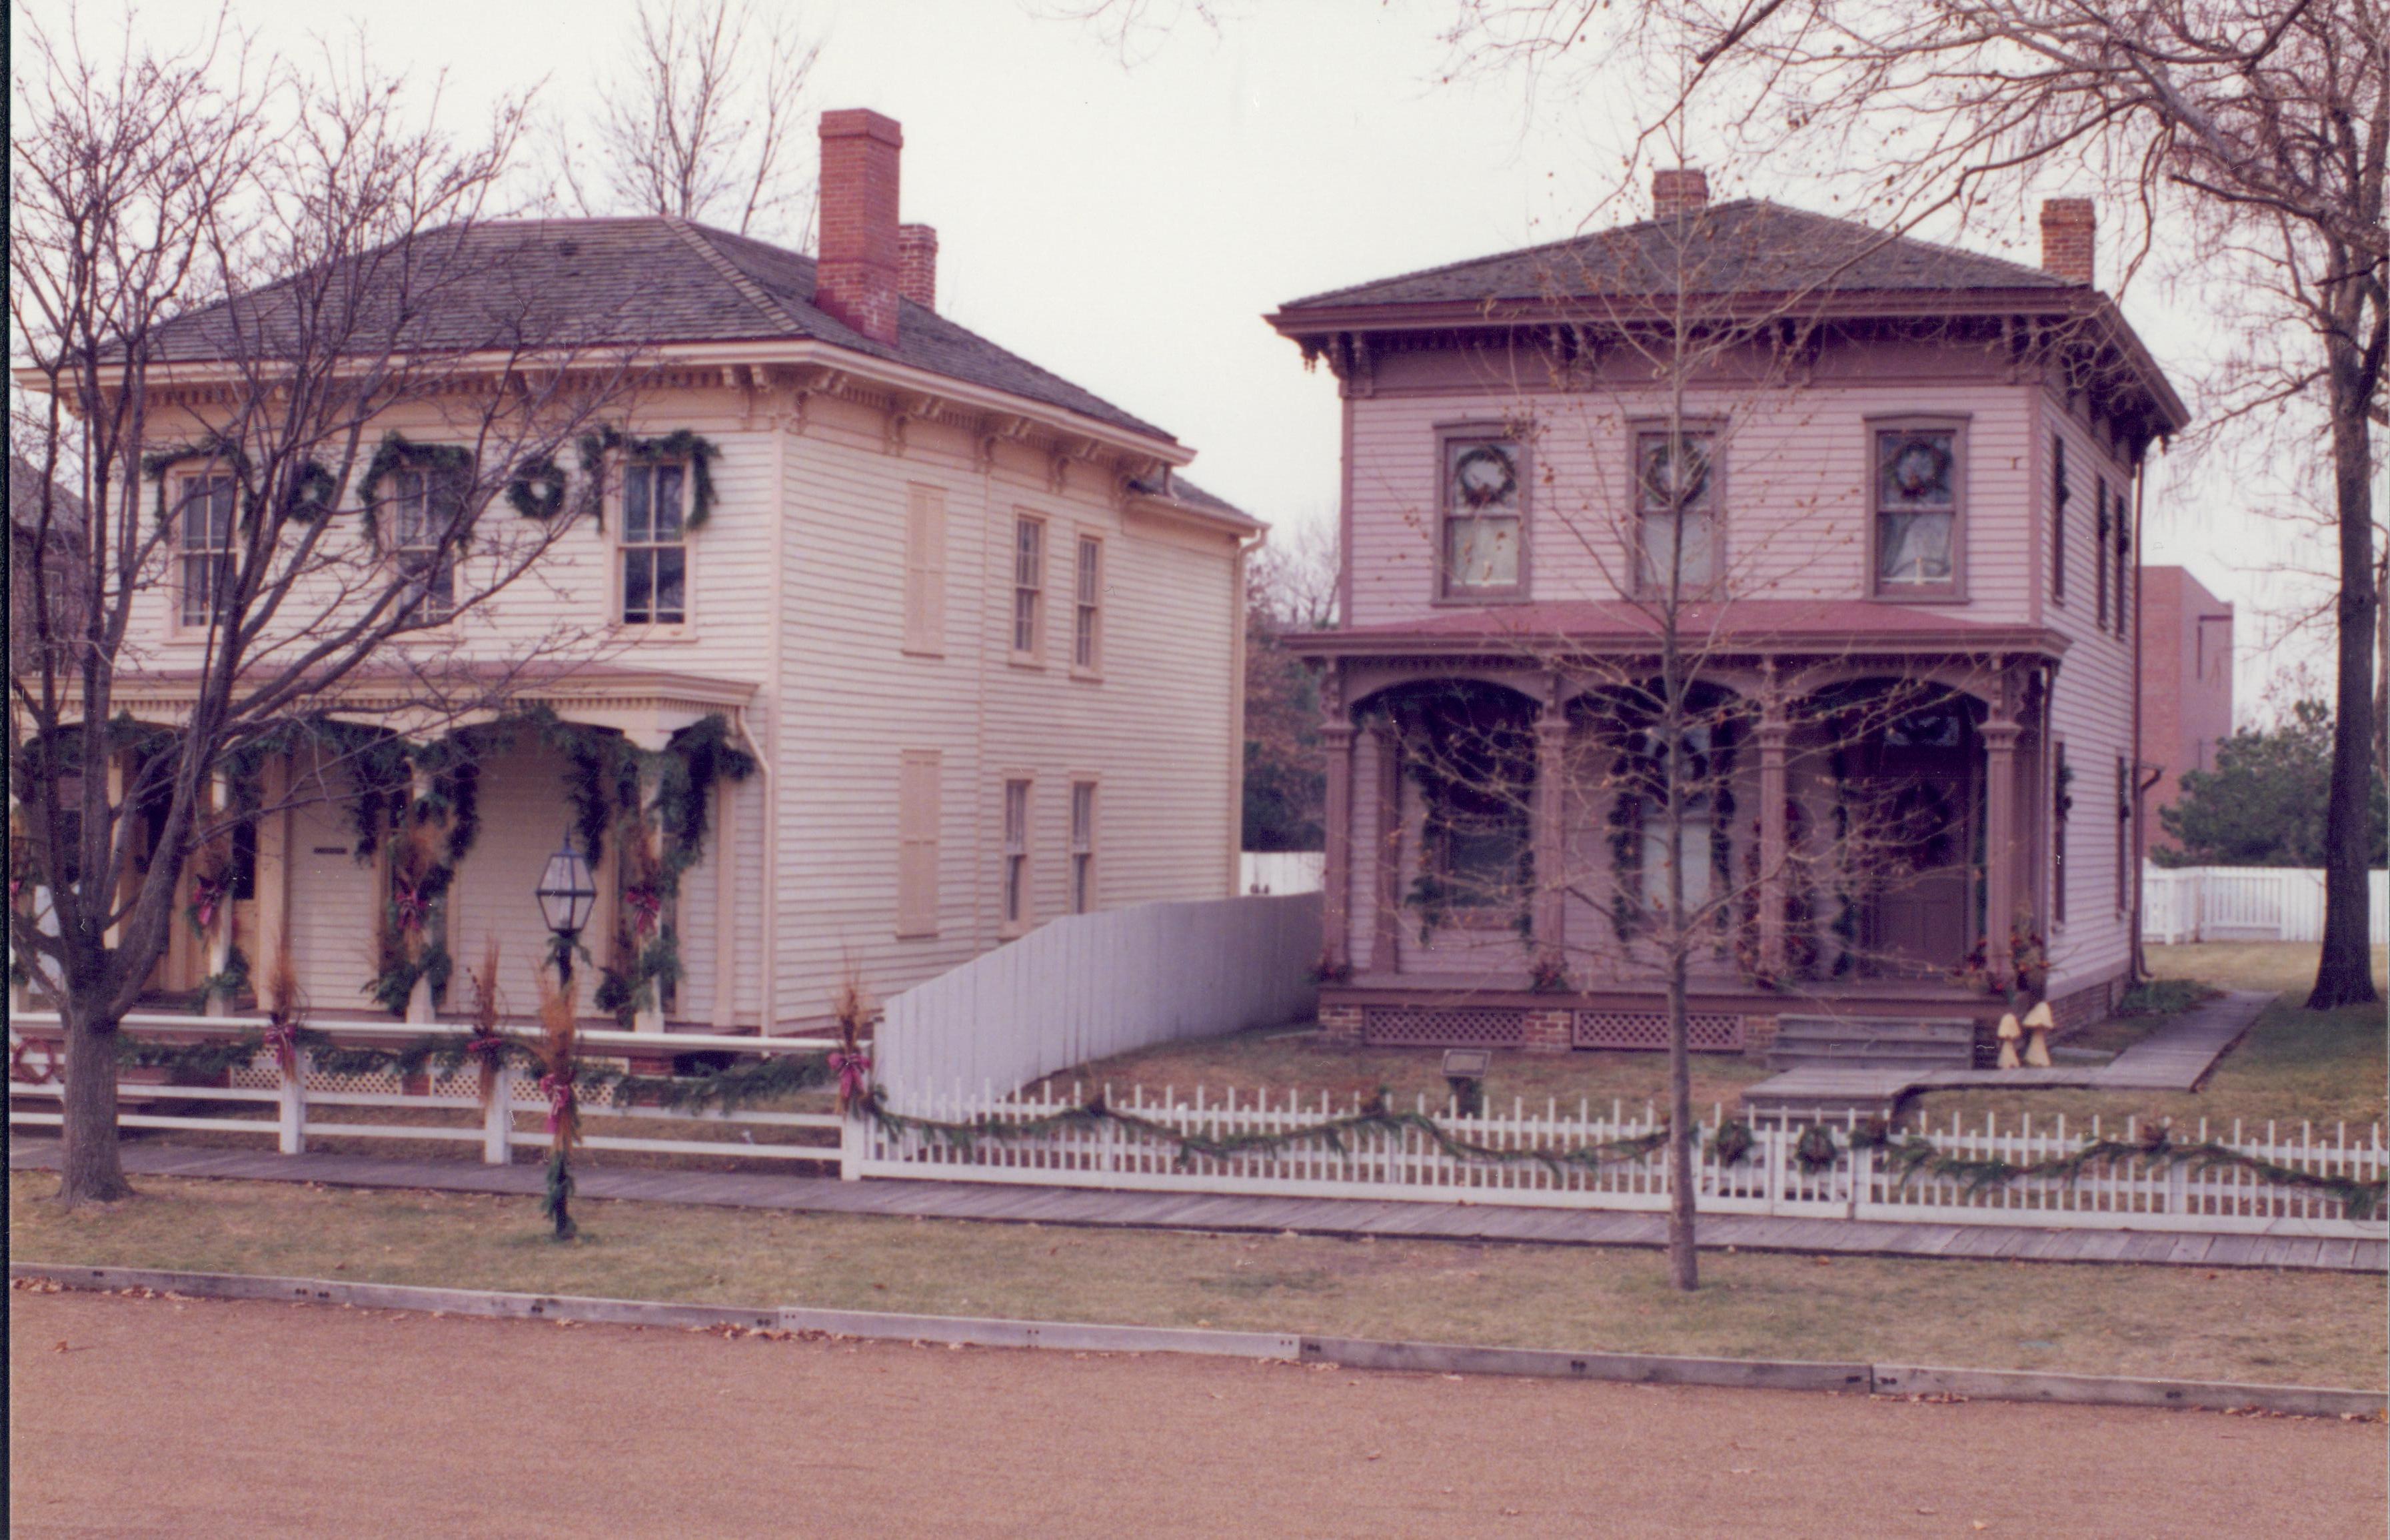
(1685, 190)
(857, 275)
(2066, 230)
(917, 264)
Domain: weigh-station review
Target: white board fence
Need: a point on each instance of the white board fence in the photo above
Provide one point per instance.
(2184, 904)
(1089, 986)
(2125, 1193)
(1282, 871)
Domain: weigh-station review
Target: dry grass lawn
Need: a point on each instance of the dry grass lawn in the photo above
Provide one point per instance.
(2259, 1327)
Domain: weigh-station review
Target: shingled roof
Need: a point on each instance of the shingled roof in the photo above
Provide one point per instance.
(614, 282)
(1747, 247)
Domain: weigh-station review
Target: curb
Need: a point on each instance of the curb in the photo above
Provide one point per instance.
(1894, 1380)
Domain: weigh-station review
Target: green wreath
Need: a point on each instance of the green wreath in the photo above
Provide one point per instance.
(537, 490)
(213, 446)
(314, 492)
(1478, 497)
(1937, 460)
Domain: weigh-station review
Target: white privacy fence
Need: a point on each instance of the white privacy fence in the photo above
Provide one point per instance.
(2184, 904)
(1089, 986)
(256, 1098)
(1406, 1161)
(1282, 871)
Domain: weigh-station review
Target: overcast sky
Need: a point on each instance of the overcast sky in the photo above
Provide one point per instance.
(1127, 225)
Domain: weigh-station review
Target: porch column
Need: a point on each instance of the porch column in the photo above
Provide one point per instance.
(1775, 847)
(1999, 844)
(273, 879)
(419, 1006)
(724, 857)
(216, 955)
(1550, 829)
(650, 1016)
(1336, 876)
(1386, 939)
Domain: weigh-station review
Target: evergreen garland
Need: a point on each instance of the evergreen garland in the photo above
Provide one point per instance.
(445, 461)
(209, 446)
(681, 445)
(1330, 1134)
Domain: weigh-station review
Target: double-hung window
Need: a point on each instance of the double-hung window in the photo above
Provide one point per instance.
(1482, 545)
(203, 533)
(1082, 847)
(425, 509)
(1676, 487)
(1016, 856)
(1087, 632)
(2100, 543)
(655, 554)
(2060, 494)
(1916, 534)
(1028, 587)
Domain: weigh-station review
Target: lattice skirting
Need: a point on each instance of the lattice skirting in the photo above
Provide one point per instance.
(1706, 1032)
(1461, 1027)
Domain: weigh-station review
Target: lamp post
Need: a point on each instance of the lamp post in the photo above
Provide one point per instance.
(566, 892)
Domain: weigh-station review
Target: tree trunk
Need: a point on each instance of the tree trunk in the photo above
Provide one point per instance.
(90, 1170)
(1684, 1264)
(2344, 973)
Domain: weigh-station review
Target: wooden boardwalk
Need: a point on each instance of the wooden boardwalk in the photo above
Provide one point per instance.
(1044, 1205)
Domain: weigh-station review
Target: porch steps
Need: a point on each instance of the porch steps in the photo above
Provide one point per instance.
(1911, 1043)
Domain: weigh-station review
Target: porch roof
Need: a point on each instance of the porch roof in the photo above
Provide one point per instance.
(646, 705)
(1623, 626)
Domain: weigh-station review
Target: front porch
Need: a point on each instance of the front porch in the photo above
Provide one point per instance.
(1528, 835)
(373, 852)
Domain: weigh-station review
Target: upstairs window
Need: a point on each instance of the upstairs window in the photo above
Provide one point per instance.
(2100, 543)
(1087, 635)
(203, 535)
(1082, 847)
(1676, 500)
(1028, 587)
(425, 509)
(1483, 549)
(1917, 512)
(2059, 495)
(655, 553)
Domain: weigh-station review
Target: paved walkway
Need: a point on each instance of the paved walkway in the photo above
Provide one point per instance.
(2176, 1057)
(988, 1201)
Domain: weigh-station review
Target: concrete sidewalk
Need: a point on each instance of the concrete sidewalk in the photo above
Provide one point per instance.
(1002, 1203)
(2176, 1057)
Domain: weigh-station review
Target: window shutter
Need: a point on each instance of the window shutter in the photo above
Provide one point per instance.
(925, 571)
(916, 836)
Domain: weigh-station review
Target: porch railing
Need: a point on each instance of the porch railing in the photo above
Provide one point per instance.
(259, 1101)
(1769, 1177)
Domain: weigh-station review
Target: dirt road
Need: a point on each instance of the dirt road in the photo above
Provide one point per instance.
(155, 1416)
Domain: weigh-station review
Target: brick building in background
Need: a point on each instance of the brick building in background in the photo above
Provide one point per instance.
(2186, 684)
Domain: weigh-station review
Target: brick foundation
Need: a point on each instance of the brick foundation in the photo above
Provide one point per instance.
(1549, 1031)
(1341, 1024)
(2082, 1007)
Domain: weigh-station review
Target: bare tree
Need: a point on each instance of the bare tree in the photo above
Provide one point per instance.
(222, 279)
(2256, 132)
(1290, 586)
(706, 123)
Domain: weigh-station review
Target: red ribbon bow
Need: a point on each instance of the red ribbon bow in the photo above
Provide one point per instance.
(646, 909)
(412, 909)
(283, 1038)
(851, 1070)
(560, 1098)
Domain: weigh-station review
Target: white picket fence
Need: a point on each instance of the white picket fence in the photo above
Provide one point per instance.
(1282, 871)
(2125, 1194)
(2188, 904)
(1089, 986)
(263, 1102)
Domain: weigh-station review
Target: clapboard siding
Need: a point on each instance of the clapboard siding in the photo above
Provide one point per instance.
(1794, 469)
(798, 586)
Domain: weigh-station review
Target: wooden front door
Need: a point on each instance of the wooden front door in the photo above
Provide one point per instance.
(1920, 837)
